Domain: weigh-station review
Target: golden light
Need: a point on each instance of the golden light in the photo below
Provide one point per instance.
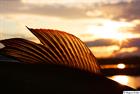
(105, 52)
(121, 66)
(121, 79)
(129, 50)
(110, 29)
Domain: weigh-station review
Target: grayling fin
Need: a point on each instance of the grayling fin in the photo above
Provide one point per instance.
(25, 51)
(71, 51)
(57, 47)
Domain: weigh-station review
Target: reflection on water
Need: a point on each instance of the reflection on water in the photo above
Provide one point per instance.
(132, 81)
(121, 66)
(121, 79)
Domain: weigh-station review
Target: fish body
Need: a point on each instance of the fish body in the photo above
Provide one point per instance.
(60, 64)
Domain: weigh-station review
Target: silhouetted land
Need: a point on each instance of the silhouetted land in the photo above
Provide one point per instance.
(135, 61)
(21, 78)
(125, 60)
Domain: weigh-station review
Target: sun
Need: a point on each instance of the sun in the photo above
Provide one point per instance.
(109, 29)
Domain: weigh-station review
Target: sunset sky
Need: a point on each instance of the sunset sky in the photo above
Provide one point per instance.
(111, 28)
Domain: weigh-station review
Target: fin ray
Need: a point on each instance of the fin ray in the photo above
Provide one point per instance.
(57, 47)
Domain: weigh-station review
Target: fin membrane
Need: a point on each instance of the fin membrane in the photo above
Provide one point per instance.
(57, 47)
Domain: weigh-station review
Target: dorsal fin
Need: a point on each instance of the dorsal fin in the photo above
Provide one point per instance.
(57, 47)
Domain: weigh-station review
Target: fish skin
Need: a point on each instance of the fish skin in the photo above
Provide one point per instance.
(22, 78)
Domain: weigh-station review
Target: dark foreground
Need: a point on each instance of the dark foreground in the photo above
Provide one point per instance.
(51, 79)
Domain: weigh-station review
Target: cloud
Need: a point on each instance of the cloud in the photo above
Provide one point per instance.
(127, 52)
(135, 30)
(130, 48)
(122, 10)
(134, 42)
(57, 10)
(101, 42)
(108, 47)
(128, 11)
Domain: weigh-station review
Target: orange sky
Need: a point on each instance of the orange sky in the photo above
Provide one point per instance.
(102, 24)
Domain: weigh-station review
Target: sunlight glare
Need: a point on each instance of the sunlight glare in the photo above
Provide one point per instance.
(111, 30)
(105, 52)
(121, 79)
(129, 50)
